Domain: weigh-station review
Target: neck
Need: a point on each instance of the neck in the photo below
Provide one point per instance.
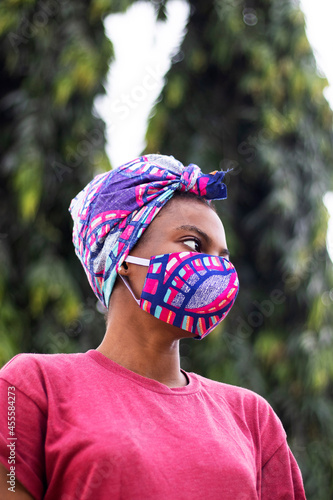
(142, 344)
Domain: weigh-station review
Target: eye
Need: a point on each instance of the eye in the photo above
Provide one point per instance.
(194, 244)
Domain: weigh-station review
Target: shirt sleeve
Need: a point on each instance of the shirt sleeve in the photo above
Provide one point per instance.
(281, 477)
(22, 444)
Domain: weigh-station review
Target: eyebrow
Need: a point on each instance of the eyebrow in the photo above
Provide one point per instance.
(195, 229)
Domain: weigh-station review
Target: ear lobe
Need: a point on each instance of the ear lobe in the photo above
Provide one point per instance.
(123, 269)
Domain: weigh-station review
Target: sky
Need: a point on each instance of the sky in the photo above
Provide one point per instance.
(136, 77)
(319, 16)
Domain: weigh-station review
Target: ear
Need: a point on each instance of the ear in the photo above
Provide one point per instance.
(123, 270)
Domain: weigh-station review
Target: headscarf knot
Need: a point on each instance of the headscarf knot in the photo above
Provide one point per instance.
(189, 177)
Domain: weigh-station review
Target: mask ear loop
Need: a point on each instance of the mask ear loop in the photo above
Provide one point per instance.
(134, 260)
(129, 289)
(137, 260)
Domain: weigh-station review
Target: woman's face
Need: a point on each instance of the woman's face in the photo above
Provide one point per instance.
(182, 225)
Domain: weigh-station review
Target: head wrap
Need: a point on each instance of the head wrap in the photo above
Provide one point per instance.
(111, 213)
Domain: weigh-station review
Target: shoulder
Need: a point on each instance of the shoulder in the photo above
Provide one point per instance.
(247, 405)
(33, 374)
(37, 364)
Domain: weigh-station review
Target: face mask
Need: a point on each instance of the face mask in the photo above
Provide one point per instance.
(193, 291)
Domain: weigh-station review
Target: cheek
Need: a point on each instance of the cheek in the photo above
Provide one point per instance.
(138, 280)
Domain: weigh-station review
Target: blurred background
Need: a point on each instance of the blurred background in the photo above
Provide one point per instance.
(87, 85)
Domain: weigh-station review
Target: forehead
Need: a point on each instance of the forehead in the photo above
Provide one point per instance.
(190, 212)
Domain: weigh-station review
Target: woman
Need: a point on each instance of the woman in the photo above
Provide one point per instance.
(124, 421)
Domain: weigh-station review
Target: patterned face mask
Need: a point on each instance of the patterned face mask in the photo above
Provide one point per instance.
(193, 291)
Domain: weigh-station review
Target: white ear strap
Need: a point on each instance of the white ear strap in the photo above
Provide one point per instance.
(129, 288)
(137, 260)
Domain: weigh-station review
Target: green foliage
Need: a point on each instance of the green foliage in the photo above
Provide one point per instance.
(247, 96)
(54, 57)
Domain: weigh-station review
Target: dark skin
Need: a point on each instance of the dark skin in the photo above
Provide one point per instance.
(135, 339)
(21, 493)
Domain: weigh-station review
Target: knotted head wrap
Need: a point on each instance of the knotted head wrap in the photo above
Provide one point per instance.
(111, 213)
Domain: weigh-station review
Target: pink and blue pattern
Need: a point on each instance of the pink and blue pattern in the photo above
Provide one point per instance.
(198, 290)
(112, 212)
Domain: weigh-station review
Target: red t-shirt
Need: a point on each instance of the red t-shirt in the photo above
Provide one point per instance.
(88, 428)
